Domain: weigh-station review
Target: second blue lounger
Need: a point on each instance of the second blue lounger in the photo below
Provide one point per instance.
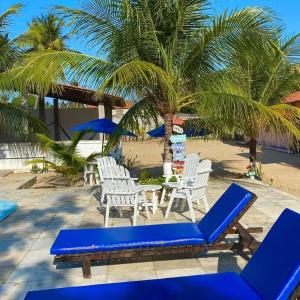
(86, 245)
(273, 273)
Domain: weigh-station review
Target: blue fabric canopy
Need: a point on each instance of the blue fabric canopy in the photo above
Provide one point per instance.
(160, 132)
(101, 126)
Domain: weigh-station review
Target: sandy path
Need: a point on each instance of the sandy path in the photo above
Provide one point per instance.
(228, 158)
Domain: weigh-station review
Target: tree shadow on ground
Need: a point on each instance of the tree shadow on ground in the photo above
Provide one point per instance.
(276, 157)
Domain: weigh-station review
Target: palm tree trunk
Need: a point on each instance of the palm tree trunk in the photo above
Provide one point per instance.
(42, 111)
(167, 155)
(253, 151)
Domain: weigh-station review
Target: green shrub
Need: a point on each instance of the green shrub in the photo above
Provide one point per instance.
(145, 174)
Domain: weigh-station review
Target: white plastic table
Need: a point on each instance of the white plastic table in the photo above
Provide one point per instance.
(153, 188)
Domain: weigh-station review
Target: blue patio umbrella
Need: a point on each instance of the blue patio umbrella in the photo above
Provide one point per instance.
(101, 126)
(160, 132)
(157, 132)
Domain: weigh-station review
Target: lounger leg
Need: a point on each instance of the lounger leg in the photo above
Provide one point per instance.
(205, 203)
(86, 268)
(163, 194)
(190, 204)
(106, 215)
(170, 203)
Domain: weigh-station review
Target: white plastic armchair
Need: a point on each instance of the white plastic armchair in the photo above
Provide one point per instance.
(189, 173)
(103, 162)
(193, 190)
(112, 172)
(116, 172)
(123, 193)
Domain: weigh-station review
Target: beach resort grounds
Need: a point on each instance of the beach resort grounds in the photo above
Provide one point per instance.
(27, 235)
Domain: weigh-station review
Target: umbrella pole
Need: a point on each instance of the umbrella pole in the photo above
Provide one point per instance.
(102, 142)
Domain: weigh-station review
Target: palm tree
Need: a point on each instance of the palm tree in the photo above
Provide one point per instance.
(157, 52)
(44, 33)
(66, 161)
(14, 121)
(249, 101)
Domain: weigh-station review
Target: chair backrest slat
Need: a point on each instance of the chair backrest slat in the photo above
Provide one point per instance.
(115, 171)
(274, 270)
(190, 165)
(118, 187)
(103, 162)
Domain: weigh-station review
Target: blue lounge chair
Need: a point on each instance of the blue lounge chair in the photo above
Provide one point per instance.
(86, 245)
(273, 273)
(7, 208)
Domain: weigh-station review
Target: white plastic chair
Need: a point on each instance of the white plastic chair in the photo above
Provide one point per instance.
(193, 190)
(103, 162)
(113, 172)
(89, 174)
(116, 172)
(123, 193)
(189, 173)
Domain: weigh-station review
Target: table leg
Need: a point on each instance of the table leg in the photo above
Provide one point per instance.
(154, 202)
(163, 194)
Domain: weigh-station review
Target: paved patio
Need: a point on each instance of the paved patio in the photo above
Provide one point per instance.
(27, 235)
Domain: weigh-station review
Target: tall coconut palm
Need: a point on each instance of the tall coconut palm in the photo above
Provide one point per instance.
(14, 121)
(44, 33)
(157, 51)
(249, 101)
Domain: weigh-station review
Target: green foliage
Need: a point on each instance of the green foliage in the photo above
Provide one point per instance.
(145, 174)
(127, 162)
(176, 56)
(173, 179)
(152, 180)
(248, 102)
(66, 159)
(45, 32)
(14, 121)
(157, 51)
(145, 177)
(23, 101)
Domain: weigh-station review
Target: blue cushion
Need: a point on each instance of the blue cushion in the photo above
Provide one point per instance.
(7, 208)
(71, 241)
(274, 270)
(224, 286)
(225, 210)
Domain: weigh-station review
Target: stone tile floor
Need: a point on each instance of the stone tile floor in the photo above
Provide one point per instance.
(27, 235)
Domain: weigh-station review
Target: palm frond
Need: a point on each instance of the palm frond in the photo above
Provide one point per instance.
(5, 17)
(228, 32)
(30, 75)
(18, 123)
(141, 112)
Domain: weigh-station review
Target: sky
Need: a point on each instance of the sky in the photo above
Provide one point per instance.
(287, 10)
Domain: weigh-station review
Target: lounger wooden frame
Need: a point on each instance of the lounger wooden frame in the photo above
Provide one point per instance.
(245, 241)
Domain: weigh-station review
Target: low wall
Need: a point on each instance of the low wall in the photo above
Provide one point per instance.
(13, 156)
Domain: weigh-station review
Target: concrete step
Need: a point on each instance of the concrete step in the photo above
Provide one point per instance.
(4, 173)
(15, 181)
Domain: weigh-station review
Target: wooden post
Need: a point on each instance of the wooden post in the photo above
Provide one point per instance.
(42, 110)
(108, 111)
(56, 120)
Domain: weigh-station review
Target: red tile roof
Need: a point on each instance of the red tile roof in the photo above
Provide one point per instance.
(294, 97)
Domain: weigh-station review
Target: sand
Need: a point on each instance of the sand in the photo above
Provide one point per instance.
(229, 160)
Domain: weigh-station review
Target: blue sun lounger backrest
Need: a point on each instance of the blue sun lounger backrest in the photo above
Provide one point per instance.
(274, 270)
(222, 214)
